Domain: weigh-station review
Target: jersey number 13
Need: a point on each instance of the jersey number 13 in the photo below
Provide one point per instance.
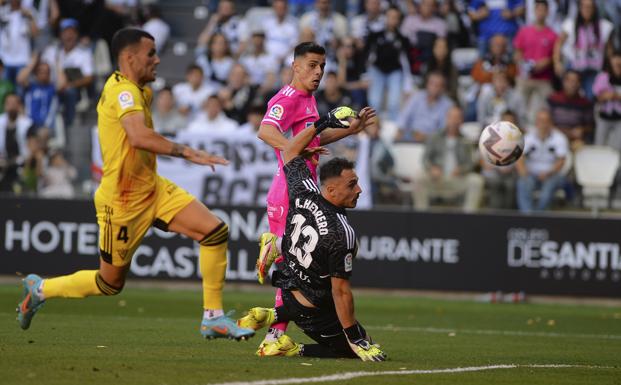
(311, 237)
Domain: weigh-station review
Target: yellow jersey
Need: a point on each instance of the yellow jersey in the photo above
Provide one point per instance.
(129, 174)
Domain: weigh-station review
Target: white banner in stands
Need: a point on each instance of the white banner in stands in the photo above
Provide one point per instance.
(247, 179)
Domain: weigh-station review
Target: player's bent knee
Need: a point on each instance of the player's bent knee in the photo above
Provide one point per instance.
(217, 236)
(105, 288)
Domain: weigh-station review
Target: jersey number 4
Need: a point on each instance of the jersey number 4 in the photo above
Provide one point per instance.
(311, 237)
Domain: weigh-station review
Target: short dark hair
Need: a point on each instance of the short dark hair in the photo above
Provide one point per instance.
(333, 168)
(510, 112)
(193, 67)
(166, 89)
(570, 72)
(213, 97)
(13, 94)
(308, 47)
(126, 37)
(544, 2)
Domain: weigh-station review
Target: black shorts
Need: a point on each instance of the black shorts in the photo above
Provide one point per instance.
(322, 325)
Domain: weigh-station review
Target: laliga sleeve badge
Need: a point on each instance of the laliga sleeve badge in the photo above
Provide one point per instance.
(276, 112)
(126, 99)
(349, 263)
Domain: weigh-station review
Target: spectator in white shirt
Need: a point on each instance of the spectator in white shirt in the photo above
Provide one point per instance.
(498, 97)
(14, 128)
(191, 94)
(72, 67)
(226, 22)
(56, 181)
(212, 118)
(545, 150)
(17, 27)
(281, 31)
(157, 27)
(329, 27)
(260, 65)
(215, 59)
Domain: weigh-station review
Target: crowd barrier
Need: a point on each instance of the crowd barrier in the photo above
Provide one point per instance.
(401, 250)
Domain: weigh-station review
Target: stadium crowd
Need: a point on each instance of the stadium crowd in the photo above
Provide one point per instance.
(437, 72)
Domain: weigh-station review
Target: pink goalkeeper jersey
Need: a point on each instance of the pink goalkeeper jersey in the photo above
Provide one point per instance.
(290, 111)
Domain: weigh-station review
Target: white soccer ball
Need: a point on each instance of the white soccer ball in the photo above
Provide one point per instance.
(501, 143)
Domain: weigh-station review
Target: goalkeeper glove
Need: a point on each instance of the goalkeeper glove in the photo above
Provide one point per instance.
(362, 345)
(337, 118)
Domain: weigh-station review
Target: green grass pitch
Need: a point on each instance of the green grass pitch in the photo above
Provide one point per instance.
(150, 336)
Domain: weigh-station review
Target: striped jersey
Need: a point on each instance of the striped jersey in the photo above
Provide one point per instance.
(318, 244)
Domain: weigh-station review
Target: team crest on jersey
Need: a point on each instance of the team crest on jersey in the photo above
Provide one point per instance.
(126, 99)
(349, 262)
(276, 112)
(122, 253)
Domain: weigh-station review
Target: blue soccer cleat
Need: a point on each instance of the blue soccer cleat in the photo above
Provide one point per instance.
(31, 302)
(224, 327)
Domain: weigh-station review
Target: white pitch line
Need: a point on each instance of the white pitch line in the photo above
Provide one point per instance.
(350, 375)
(513, 333)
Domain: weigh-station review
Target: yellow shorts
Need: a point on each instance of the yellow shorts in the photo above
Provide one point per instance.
(121, 231)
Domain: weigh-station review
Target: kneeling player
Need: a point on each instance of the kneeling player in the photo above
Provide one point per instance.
(318, 248)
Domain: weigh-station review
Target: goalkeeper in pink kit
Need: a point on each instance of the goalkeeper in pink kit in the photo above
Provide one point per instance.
(289, 112)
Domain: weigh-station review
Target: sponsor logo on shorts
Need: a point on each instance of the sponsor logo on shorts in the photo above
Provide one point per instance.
(126, 99)
(276, 112)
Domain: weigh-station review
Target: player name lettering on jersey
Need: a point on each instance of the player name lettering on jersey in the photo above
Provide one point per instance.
(320, 218)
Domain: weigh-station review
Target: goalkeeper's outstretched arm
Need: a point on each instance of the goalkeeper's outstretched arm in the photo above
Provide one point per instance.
(339, 118)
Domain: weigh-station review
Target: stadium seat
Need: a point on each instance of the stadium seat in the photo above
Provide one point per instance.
(184, 20)
(464, 86)
(408, 165)
(471, 131)
(175, 60)
(464, 59)
(388, 130)
(256, 16)
(596, 167)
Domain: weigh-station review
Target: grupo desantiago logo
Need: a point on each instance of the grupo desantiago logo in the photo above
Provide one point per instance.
(532, 248)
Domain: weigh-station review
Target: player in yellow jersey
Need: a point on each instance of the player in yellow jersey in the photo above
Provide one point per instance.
(132, 197)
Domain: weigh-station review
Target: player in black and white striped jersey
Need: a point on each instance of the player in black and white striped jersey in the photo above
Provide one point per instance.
(318, 247)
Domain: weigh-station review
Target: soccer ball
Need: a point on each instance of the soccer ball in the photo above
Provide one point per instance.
(501, 143)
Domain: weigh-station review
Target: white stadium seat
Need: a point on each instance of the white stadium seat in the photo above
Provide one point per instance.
(596, 167)
(464, 59)
(471, 131)
(408, 164)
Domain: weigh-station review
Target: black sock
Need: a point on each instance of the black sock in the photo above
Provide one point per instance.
(322, 351)
(282, 314)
